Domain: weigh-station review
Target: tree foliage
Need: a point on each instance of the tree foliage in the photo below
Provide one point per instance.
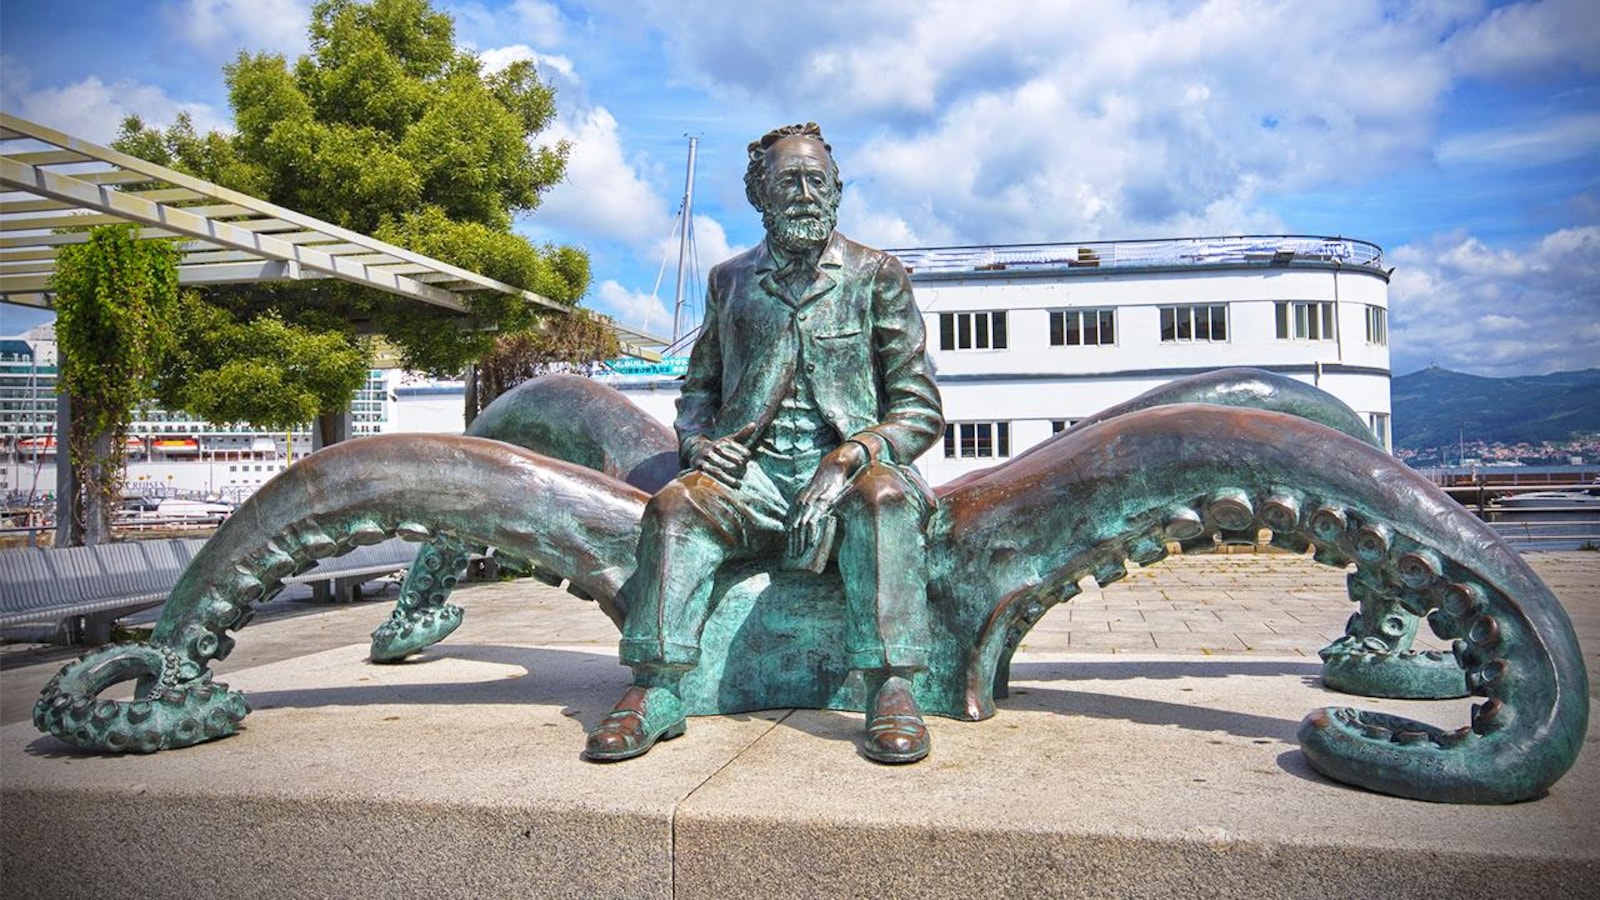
(115, 297)
(267, 372)
(559, 273)
(212, 156)
(387, 128)
(573, 343)
(386, 114)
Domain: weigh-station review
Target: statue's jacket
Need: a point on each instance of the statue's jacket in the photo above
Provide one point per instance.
(854, 335)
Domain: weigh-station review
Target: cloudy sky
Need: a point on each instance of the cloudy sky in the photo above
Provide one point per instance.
(1462, 136)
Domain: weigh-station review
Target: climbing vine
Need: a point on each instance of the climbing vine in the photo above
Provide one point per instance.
(115, 299)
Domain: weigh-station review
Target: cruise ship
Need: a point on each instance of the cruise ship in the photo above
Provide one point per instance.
(169, 454)
(1025, 340)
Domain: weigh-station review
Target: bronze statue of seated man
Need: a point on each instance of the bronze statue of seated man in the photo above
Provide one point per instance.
(808, 397)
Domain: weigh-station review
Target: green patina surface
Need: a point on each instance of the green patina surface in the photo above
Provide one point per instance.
(1004, 548)
(808, 395)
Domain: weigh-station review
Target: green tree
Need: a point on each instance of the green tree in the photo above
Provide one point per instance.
(385, 127)
(266, 372)
(115, 298)
(573, 344)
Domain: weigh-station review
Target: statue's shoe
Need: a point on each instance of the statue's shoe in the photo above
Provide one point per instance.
(897, 739)
(642, 717)
(895, 732)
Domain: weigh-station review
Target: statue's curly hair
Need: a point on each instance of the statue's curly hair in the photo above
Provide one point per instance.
(758, 157)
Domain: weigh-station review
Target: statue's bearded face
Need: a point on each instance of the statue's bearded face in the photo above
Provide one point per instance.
(800, 194)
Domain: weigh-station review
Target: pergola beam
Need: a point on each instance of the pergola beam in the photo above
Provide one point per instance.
(177, 222)
(227, 236)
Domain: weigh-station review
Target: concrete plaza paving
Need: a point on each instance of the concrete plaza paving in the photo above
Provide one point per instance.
(1148, 749)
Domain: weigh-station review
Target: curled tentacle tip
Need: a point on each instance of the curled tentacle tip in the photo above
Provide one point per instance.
(168, 716)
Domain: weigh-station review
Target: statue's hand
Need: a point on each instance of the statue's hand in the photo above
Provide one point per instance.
(816, 500)
(724, 458)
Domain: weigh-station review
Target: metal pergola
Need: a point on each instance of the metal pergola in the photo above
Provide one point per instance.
(50, 180)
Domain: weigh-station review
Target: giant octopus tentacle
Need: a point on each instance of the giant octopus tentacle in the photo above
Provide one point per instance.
(566, 417)
(1374, 657)
(566, 518)
(586, 423)
(1123, 488)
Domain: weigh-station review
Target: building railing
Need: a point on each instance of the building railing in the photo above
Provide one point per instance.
(1265, 250)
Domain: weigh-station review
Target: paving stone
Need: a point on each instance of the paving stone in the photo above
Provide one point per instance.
(1196, 640)
(1111, 640)
(1153, 762)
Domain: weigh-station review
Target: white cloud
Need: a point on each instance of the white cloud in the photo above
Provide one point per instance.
(1531, 38)
(93, 109)
(633, 309)
(531, 22)
(1044, 121)
(1526, 143)
(220, 28)
(605, 196)
(1459, 303)
(608, 197)
(875, 227)
(539, 21)
(710, 244)
(497, 58)
(551, 67)
(654, 313)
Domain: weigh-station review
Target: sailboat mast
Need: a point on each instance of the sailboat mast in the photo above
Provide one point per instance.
(683, 242)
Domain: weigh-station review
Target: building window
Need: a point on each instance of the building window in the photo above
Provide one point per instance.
(1082, 327)
(1305, 321)
(977, 440)
(1377, 325)
(1194, 323)
(972, 330)
(1059, 425)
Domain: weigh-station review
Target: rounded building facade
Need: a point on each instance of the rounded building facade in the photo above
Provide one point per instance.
(1027, 339)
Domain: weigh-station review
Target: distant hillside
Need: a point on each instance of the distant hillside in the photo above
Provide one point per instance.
(1431, 407)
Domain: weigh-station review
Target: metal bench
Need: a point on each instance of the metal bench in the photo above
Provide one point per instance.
(88, 588)
(341, 578)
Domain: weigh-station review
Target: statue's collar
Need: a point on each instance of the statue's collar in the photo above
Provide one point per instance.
(810, 286)
(773, 259)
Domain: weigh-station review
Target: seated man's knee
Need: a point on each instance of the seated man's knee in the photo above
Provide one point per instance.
(880, 487)
(675, 502)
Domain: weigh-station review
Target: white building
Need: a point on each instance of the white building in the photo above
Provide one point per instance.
(1028, 339)
(1025, 340)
